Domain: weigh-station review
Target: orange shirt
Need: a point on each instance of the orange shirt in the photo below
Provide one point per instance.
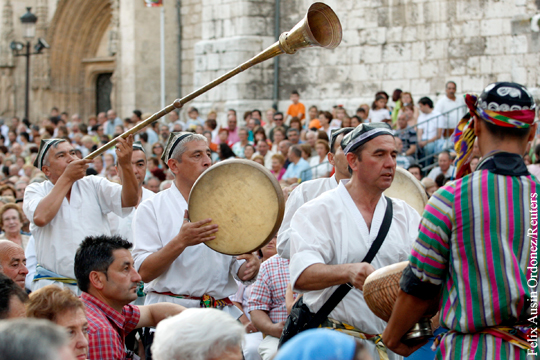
(295, 109)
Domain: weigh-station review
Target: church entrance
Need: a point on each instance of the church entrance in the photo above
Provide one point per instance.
(103, 92)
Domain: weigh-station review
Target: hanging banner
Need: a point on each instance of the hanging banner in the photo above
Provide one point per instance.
(153, 3)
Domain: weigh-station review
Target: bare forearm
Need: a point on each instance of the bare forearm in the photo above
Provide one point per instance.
(158, 262)
(407, 311)
(320, 276)
(130, 187)
(48, 206)
(262, 322)
(151, 315)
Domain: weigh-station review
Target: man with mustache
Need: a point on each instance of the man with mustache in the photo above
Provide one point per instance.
(332, 234)
(108, 280)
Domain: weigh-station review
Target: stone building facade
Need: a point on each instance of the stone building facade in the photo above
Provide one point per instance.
(102, 46)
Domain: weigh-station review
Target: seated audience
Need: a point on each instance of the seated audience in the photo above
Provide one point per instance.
(202, 334)
(298, 169)
(12, 299)
(416, 170)
(445, 167)
(266, 304)
(64, 308)
(33, 339)
(249, 150)
(13, 262)
(11, 222)
(109, 283)
(320, 166)
(278, 170)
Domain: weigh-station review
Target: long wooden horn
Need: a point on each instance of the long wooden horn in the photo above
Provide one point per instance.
(320, 27)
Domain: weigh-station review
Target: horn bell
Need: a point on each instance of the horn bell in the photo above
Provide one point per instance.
(320, 27)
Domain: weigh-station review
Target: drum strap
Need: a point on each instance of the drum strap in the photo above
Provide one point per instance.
(344, 289)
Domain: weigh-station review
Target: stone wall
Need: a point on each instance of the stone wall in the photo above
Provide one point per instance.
(415, 45)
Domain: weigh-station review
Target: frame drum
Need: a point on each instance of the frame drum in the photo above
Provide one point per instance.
(244, 199)
(407, 188)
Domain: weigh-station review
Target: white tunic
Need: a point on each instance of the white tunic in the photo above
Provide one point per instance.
(122, 226)
(197, 271)
(331, 230)
(92, 198)
(303, 193)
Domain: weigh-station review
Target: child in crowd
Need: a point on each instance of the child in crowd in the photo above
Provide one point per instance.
(296, 109)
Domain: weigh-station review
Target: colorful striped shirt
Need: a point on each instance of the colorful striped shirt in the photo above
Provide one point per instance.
(474, 243)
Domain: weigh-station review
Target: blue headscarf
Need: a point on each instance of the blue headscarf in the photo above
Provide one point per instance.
(318, 344)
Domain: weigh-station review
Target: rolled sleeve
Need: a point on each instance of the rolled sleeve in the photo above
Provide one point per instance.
(431, 250)
(33, 194)
(261, 294)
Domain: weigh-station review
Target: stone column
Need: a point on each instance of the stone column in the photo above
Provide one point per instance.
(233, 32)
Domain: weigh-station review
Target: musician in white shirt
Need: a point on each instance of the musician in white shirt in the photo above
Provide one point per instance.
(331, 235)
(169, 253)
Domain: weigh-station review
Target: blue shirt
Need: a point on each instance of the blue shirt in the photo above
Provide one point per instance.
(301, 170)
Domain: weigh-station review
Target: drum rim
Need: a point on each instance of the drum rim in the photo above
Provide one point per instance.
(273, 181)
(416, 183)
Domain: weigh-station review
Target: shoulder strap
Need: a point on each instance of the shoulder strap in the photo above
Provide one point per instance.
(344, 289)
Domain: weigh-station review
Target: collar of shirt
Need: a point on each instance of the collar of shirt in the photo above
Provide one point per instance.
(504, 163)
(93, 305)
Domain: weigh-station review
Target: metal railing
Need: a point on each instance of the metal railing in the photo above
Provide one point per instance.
(448, 120)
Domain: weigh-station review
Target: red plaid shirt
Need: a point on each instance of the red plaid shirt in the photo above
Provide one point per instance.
(107, 328)
(268, 292)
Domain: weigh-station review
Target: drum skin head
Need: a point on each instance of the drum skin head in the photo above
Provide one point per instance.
(407, 188)
(244, 199)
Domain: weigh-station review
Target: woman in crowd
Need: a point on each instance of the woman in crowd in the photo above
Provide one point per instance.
(63, 308)
(297, 124)
(325, 119)
(306, 151)
(279, 136)
(8, 190)
(342, 117)
(406, 98)
(278, 170)
(249, 150)
(319, 164)
(260, 134)
(238, 147)
(379, 112)
(355, 121)
(313, 118)
(225, 152)
(11, 222)
(258, 159)
(157, 149)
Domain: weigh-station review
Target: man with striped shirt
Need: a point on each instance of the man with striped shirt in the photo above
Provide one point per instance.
(474, 244)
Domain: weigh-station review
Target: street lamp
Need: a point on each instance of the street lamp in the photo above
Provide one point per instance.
(28, 21)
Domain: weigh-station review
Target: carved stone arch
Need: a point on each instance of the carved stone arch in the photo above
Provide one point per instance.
(76, 30)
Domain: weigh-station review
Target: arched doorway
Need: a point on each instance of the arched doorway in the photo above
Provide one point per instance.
(78, 59)
(103, 92)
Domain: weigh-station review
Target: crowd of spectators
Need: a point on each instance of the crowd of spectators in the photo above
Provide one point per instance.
(293, 146)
